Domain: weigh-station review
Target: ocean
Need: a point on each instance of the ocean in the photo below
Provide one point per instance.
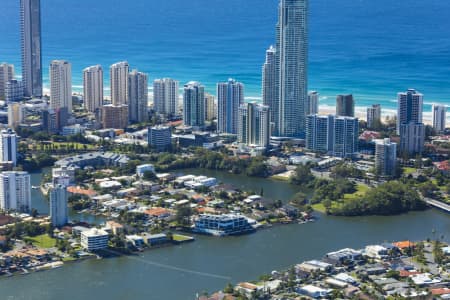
(372, 49)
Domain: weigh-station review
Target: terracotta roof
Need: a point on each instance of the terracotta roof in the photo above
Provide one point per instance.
(114, 224)
(247, 285)
(404, 273)
(37, 252)
(442, 291)
(80, 191)
(404, 244)
(157, 211)
(443, 166)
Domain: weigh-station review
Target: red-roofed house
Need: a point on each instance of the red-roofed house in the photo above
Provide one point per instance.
(440, 292)
(443, 166)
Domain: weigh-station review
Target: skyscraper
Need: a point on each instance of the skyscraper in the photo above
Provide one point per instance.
(374, 116)
(30, 13)
(194, 104)
(211, 107)
(8, 146)
(14, 91)
(118, 73)
(320, 133)
(292, 68)
(58, 205)
(412, 138)
(345, 106)
(269, 86)
(93, 88)
(230, 95)
(439, 117)
(254, 125)
(15, 114)
(114, 116)
(409, 108)
(61, 85)
(313, 103)
(333, 134)
(160, 137)
(346, 134)
(6, 74)
(165, 96)
(137, 97)
(15, 191)
(385, 157)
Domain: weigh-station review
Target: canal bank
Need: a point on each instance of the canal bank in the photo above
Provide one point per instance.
(209, 264)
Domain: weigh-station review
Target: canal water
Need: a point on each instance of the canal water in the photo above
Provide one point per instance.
(210, 263)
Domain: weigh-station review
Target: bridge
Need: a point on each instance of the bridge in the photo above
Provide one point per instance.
(438, 204)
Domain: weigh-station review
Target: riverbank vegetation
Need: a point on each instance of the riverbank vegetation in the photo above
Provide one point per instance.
(342, 197)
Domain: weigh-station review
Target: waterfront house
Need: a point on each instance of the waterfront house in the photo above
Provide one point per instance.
(94, 239)
(218, 296)
(221, 225)
(159, 213)
(247, 288)
(155, 239)
(376, 251)
(39, 254)
(340, 257)
(290, 211)
(136, 240)
(114, 227)
(312, 266)
(313, 291)
(404, 245)
(77, 230)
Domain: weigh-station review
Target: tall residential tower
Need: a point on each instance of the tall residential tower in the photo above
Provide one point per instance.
(194, 104)
(254, 125)
(118, 73)
(165, 96)
(230, 95)
(292, 68)
(15, 191)
(439, 118)
(6, 74)
(269, 87)
(409, 108)
(137, 97)
(30, 13)
(93, 88)
(345, 106)
(61, 85)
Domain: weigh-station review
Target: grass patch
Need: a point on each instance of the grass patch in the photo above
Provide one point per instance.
(42, 241)
(409, 170)
(361, 190)
(319, 207)
(77, 146)
(282, 178)
(181, 238)
(69, 259)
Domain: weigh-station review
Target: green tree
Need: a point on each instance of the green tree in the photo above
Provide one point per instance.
(303, 175)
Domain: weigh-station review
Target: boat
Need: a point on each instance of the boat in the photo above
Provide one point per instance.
(35, 187)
